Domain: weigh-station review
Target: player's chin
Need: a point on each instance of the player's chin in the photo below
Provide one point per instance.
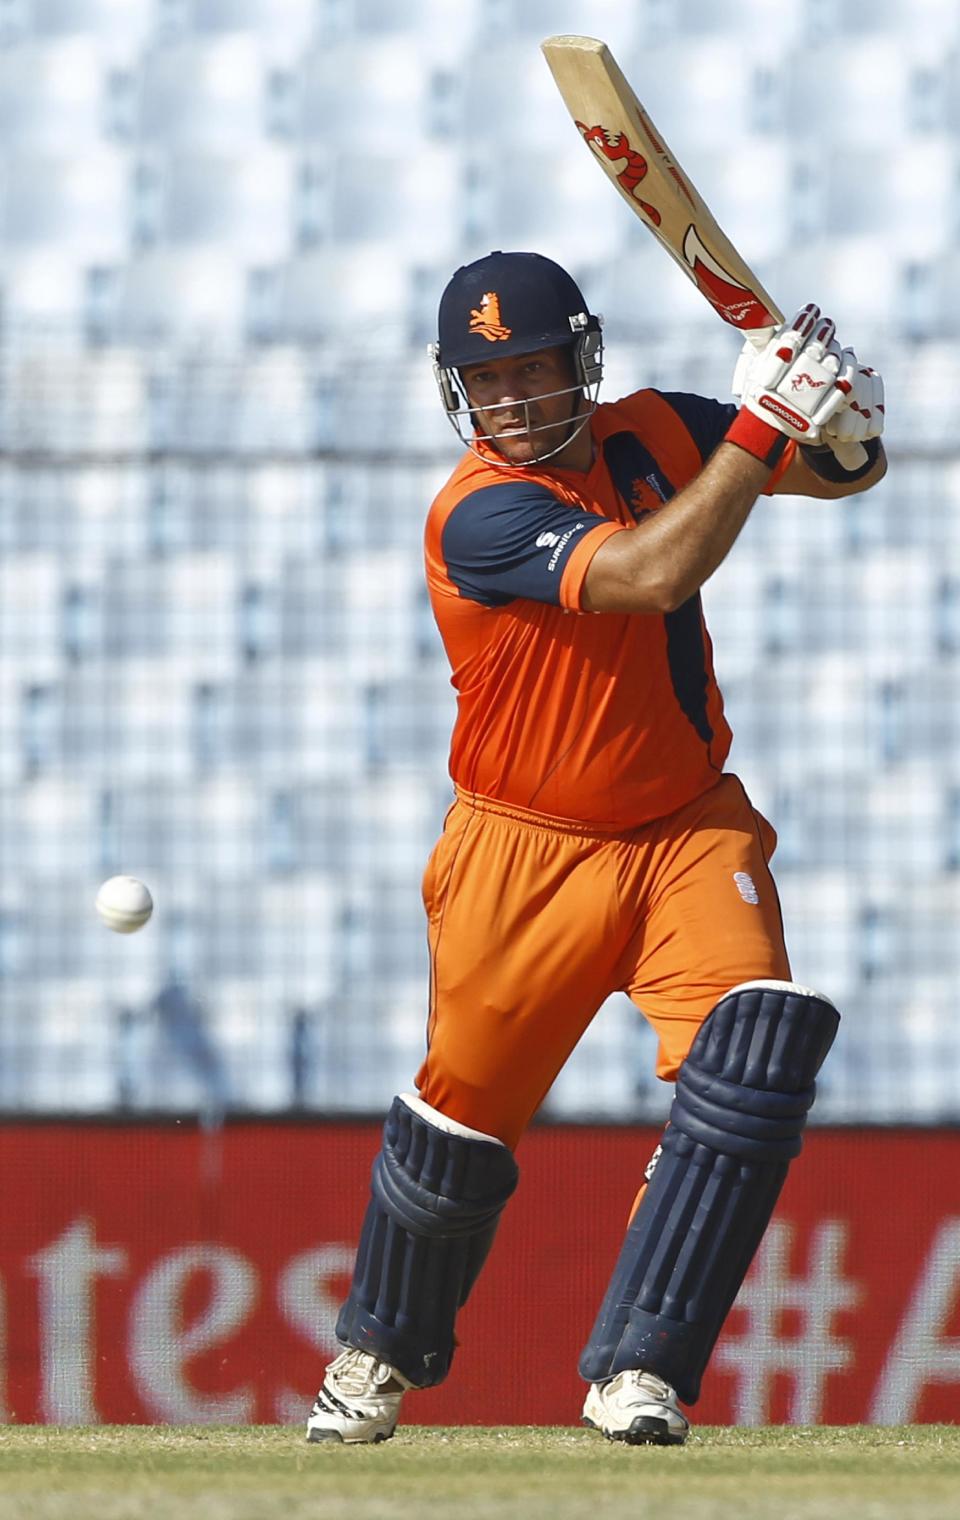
(529, 448)
(519, 448)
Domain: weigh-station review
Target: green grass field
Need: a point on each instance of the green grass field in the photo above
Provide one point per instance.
(271, 1473)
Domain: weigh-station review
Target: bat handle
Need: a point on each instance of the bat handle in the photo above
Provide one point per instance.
(850, 456)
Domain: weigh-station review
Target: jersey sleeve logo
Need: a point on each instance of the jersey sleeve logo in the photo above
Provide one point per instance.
(646, 495)
(486, 320)
(561, 544)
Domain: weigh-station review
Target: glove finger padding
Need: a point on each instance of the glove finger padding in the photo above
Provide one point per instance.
(876, 415)
(847, 374)
(791, 383)
(861, 415)
(833, 359)
(806, 320)
(824, 340)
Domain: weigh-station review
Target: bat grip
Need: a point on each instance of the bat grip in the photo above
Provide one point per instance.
(850, 456)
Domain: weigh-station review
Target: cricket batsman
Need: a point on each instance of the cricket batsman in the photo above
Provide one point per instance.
(596, 843)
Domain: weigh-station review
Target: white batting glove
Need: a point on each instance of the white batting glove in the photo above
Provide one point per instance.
(861, 415)
(791, 382)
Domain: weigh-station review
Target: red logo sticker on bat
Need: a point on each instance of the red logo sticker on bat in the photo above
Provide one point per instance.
(614, 146)
(737, 304)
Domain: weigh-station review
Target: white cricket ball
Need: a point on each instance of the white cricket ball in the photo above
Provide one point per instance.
(124, 904)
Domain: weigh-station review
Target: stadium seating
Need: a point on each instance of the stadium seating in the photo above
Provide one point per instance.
(225, 228)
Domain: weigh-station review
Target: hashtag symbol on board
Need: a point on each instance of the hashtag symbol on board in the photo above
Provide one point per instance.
(805, 1355)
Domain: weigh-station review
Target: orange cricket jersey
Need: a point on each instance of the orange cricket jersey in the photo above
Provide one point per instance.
(609, 719)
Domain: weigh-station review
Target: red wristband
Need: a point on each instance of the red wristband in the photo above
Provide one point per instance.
(750, 432)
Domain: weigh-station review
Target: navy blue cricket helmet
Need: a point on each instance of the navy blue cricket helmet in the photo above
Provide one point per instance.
(509, 303)
(506, 304)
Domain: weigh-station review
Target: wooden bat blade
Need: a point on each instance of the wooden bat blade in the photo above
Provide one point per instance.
(636, 159)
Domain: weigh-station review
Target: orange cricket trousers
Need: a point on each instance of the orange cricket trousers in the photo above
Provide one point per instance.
(533, 921)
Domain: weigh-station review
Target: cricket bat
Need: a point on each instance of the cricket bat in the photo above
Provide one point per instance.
(634, 156)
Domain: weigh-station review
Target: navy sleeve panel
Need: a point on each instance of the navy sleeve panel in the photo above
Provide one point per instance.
(706, 420)
(512, 540)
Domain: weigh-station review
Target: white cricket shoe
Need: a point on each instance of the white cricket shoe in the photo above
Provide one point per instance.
(636, 1407)
(359, 1400)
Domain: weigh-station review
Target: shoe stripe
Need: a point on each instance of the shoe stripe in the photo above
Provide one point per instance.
(332, 1405)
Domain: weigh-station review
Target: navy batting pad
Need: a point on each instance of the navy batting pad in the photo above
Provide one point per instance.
(737, 1120)
(436, 1199)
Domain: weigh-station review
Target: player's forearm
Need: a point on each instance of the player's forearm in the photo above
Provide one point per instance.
(667, 557)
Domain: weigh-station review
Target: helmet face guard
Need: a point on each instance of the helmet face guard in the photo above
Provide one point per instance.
(505, 305)
(587, 354)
